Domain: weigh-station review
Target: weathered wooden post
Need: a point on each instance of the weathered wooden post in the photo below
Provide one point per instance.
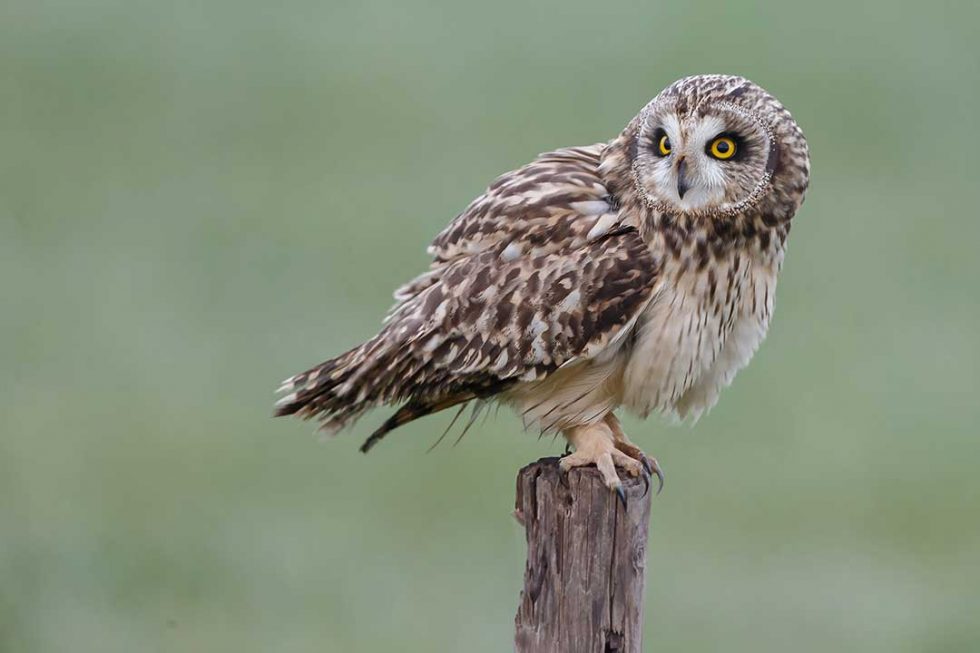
(586, 555)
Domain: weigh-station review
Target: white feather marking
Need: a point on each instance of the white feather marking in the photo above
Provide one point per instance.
(512, 252)
(475, 246)
(590, 207)
(439, 314)
(434, 341)
(288, 399)
(571, 301)
(539, 351)
(603, 225)
(501, 360)
(538, 345)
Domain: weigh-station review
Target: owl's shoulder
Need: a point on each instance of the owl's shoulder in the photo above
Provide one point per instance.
(552, 202)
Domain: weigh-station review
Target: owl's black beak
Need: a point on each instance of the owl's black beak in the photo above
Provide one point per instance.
(682, 183)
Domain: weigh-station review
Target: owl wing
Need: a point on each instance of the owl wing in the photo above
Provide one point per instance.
(536, 273)
(556, 202)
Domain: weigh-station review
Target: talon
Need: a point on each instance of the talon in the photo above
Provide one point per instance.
(646, 466)
(621, 493)
(659, 472)
(646, 484)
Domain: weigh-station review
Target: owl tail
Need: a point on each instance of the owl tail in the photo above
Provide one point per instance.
(319, 392)
(338, 391)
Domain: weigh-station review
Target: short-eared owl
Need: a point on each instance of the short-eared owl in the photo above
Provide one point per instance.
(635, 273)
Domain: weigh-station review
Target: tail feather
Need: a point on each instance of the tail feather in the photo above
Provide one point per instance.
(318, 391)
(340, 390)
(410, 412)
(379, 372)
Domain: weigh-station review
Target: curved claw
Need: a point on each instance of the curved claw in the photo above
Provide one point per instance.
(621, 493)
(654, 469)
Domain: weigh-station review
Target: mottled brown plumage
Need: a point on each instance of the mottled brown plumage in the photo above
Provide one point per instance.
(636, 273)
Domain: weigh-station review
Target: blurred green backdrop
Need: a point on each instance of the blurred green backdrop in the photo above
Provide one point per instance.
(199, 198)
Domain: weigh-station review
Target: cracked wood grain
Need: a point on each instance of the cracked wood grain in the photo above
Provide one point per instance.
(586, 556)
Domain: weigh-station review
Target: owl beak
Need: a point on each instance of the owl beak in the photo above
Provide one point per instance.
(683, 185)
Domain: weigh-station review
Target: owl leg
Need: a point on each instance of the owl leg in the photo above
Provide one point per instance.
(594, 444)
(622, 443)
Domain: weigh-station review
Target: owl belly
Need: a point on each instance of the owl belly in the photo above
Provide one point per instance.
(703, 327)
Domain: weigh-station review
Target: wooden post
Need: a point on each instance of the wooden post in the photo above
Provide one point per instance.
(586, 555)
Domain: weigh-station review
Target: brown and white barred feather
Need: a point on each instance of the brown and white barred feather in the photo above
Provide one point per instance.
(533, 275)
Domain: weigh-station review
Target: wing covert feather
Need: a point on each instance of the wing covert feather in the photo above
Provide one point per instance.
(524, 318)
(556, 202)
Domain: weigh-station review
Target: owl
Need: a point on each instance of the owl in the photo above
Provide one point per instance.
(635, 274)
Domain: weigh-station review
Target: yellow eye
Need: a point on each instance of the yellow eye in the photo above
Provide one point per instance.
(664, 145)
(722, 148)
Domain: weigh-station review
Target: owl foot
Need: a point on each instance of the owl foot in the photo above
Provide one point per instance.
(623, 443)
(594, 445)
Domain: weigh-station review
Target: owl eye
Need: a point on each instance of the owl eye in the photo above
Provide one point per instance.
(663, 145)
(722, 148)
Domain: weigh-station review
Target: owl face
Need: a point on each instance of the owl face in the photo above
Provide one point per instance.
(709, 157)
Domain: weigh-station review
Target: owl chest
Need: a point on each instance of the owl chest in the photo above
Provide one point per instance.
(702, 326)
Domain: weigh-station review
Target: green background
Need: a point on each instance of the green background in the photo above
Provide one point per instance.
(198, 199)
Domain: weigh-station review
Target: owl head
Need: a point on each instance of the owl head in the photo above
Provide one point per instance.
(714, 146)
